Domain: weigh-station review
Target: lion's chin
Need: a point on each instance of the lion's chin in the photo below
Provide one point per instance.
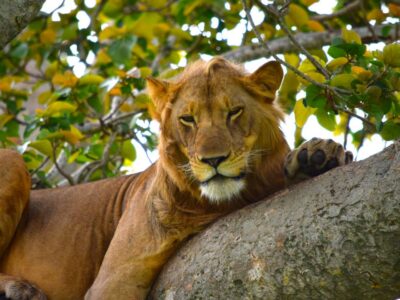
(222, 190)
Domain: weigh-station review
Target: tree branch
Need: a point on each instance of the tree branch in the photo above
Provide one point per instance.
(332, 237)
(310, 40)
(15, 15)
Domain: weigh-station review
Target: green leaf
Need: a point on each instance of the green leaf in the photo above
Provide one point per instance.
(312, 91)
(336, 52)
(390, 131)
(326, 119)
(120, 50)
(128, 150)
(317, 102)
(20, 52)
(96, 104)
(43, 146)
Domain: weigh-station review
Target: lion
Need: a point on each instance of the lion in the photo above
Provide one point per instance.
(220, 147)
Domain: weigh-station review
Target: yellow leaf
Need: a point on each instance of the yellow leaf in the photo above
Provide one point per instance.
(43, 146)
(376, 14)
(4, 119)
(102, 57)
(145, 72)
(59, 106)
(111, 32)
(192, 5)
(162, 28)
(184, 35)
(67, 79)
(351, 36)
(343, 80)
(51, 69)
(73, 156)
(394, 9)
(73, 136)
(298, 15)
(268, 30)
(292, 59)
(308, 2)
(307, 66)
(48, 36)
(302, 113)
(115, 91)
(318, 77)
(361, 73)
(391, 55)
(5, 84)
(336, 63)
(144, 26)
(91, 79)
(341, 127)
(142, 101)
(315, 26)
(288, 88)
(126, 107)
(44, 97)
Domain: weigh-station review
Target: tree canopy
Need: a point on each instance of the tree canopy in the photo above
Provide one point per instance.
(72, 84)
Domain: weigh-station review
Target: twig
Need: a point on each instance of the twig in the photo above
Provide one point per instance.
(335, 91)
(289, 66)
(106, 153)
(59, 169)
(346, 132)
(278, 16)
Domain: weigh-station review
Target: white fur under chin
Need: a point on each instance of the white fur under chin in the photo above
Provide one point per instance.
(219, 191)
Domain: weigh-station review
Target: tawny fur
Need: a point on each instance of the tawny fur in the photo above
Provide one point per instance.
(109, 239)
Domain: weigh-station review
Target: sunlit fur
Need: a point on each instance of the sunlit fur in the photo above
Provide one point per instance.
(109, 239)
(204, 90)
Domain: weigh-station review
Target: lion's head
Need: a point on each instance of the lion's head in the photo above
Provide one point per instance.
(218, 126)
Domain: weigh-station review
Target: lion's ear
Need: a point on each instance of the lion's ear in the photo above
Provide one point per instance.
(158, 91)
(268, 79)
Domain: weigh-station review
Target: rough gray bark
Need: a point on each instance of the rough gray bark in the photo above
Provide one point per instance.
(14, 16)
(310, 40)
(336, 236)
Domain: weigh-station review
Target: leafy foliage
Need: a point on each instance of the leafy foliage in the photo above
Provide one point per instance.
(72, 95)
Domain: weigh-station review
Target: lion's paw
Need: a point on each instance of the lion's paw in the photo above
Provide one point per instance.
(18, 289)
(315, 157)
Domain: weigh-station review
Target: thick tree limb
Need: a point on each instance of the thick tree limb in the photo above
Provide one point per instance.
(15, 15)
(311, 40)
(336, 236)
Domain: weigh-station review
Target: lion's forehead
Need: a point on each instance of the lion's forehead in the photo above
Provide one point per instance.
(208, 98)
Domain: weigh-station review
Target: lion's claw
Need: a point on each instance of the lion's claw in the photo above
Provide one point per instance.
(315, 157)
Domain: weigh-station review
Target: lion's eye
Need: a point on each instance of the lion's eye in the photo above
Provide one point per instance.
(187, 120)
(235, 113)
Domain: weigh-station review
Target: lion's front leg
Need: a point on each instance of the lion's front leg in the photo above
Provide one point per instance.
(135, 256)
(313, 158)
(15, 185)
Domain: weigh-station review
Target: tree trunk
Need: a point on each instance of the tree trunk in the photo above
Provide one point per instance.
(14, 16)
(336, 236)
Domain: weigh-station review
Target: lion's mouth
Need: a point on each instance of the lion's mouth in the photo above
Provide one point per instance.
(219, 177)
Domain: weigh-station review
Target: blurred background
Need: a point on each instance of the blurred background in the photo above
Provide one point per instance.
(72, 88)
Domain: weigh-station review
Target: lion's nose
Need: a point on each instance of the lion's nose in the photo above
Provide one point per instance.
(214, 161)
